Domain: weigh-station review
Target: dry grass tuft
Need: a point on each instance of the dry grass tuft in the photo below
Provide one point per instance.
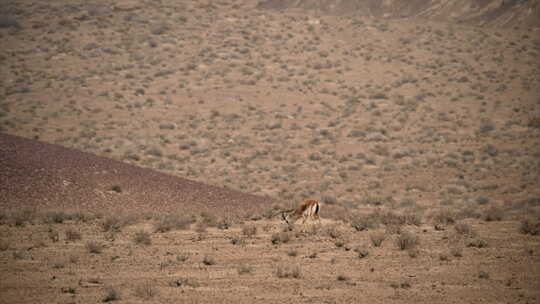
(288, 271)
(407, 240)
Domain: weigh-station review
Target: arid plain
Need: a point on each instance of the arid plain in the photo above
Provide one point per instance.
(146, 146)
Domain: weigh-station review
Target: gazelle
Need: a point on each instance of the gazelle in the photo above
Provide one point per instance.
(307, 209)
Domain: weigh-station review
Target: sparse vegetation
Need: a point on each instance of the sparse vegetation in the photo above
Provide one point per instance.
(146, 290)
(209, 260)
(530, 225)
(249, 231)
(288, 271)
(170, 222)
(73, 235)
(280, 238)
(142, 238)
(403, 129)
(407, 240)
(377, 238)
(94, 247)
(111, 294)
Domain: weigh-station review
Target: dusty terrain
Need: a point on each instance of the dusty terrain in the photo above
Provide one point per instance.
(406, 121)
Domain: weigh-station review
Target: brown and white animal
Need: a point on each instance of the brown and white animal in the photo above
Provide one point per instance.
(308, 209)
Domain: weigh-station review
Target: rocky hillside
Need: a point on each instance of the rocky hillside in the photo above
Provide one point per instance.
(505, 13)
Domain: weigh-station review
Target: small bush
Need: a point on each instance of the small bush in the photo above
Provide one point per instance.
(342, 277)
(208, 260)
(413, 218)
(530, 226)
(340, 242)
(334, 232)
(20, 217)
(377, 238)
(173, 222)
(112, 224)
(142, 238)
(182, 257)
(444, 217)
(209, 219)
(456, 251)
(116, 188)
(292, 253)
(288, 271)
(8, 21)
(249, 231)
(493, 214)
(362, 252)
(4, 245)
(73, 235)
(224, 223)
(94, 247)
(280, 237)
(407, 240)
(111, 294)
(464, 229)
(182, 282)
(244, 269)
(146, 290)
(53, 235)
(237, 240)
(361, 223)
(482, 200)
(483, 275)
(477, 243)
(55, 217)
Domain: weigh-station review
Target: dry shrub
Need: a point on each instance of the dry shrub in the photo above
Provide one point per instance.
(209, 260)
(4, 245)
(19, 218)
(238, 240)
(142, 237)
(377, 238)
(244, 269)
(94, 247)
(407, 240)
(362, 252)
(333, 231)
(170, 222)
(55, 217)
(342, 277)
(146, 290)
(288, 271)
(364, 222)
(111, 294)
(183, 282)
(413, 217)
(224, 223)
(73, 235)
(280, 237)
(444, 216)
(209, 219)
(249, 231)
(530, 225)
(113, 223)
(464, 229)
(493, 213)
(477, 243)
(456, 251)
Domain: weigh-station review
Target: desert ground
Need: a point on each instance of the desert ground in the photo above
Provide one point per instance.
(146, 148)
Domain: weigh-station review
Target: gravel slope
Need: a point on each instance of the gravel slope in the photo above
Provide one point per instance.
(41, 175)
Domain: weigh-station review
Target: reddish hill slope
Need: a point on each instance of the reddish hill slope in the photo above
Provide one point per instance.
(37, 174)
